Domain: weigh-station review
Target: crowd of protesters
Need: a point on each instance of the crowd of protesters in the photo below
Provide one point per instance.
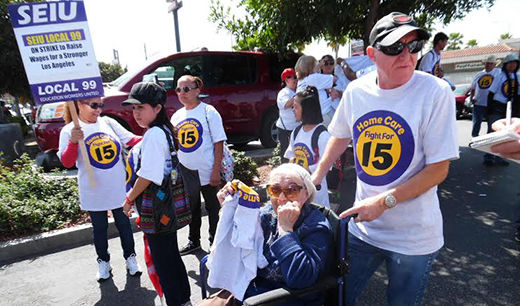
(394, 114)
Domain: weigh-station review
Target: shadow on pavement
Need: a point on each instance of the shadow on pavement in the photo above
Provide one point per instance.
(132, 294)
(480, 261)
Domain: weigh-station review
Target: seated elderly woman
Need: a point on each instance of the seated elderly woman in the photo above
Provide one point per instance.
(297, 236)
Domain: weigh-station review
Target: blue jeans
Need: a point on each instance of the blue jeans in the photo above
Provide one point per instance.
(408, 275)
(100, 228)
(479, 113)
(170, 267)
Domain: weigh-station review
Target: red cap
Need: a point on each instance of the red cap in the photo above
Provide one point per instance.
(288, 72)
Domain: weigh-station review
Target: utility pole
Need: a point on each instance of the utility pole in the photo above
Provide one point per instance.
(174, 7)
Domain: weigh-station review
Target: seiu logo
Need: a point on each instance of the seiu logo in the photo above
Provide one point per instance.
(47, 12)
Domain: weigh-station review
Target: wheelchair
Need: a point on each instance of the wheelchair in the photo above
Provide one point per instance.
(334, 284)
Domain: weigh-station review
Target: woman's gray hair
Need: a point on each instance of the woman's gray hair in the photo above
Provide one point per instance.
(299, 171)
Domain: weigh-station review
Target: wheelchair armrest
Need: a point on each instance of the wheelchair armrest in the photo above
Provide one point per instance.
(276, 296)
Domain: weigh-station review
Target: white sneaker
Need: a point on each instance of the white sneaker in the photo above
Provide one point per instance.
(132, 266)
(104, 269)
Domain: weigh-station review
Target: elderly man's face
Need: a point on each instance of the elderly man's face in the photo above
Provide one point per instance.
(489, 66)
(285, 181)
(394, 71)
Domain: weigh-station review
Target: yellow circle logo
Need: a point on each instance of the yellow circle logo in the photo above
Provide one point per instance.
(103, 150)
(189, 135)
(302, 155)
(378, 150)
(505, 88)
(485, 81)
(436, 69)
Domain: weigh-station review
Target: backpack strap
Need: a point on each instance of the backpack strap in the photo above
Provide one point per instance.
(314, 141)
(296, 131)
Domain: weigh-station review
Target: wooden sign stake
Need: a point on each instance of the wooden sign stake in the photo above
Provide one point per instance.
(82, 147)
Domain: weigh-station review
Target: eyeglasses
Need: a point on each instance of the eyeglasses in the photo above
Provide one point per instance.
(328, 63)
(396, 48)
(290, 192)
(185, 89)
(94, 105)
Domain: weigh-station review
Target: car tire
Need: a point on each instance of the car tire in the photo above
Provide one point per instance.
(269, 132)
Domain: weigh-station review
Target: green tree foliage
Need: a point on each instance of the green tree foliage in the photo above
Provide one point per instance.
(12, 73)
(110, 72)
(471, 43)
(281, 25)
(32, 203)
(505, 36)
(455, 41)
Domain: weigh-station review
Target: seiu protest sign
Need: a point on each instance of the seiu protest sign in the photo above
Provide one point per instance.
(57, 52)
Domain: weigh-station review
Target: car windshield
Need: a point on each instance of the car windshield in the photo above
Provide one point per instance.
(461, 89)
(123, 78)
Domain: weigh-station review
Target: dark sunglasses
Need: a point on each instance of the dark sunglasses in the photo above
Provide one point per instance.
(396, 48)
(185, 89)
(290, 192)
(328, 63)
(94, 105)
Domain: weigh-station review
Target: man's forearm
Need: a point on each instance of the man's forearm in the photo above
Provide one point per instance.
(432, 175)
(334, 148)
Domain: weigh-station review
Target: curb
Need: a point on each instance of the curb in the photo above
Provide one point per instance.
(53, 241)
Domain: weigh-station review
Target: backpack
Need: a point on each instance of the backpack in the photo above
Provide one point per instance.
(165, 208)
(314, 139)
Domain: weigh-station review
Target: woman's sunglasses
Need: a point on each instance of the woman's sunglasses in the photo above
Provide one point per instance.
(185, 89)
(328, 63)
(94, 105)
(290, 192)
(396, 48)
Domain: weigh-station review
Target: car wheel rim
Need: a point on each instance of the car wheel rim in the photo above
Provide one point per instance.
(274, 132)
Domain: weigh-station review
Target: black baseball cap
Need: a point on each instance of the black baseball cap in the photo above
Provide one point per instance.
(392, 27)
(146, 93)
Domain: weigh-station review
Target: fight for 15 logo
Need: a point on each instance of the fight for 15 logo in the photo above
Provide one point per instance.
(485, 81)
(103, 150)
(505, 87)
(189, 135)
(384, 146)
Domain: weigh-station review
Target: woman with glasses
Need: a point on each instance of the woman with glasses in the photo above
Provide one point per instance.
(104, 138)
(340, 83)
(297, 236)
(285, 100)
(201, 137)
(308, 141)
(307, 72)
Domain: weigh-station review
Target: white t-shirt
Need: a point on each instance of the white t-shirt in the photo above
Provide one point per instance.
(196, 151)
(286, 120)
(156, 158)
(300, 151)
(431, 62)
(322, 82)
(396, 133)
(500, 86)
(103, 140)
(481, 84)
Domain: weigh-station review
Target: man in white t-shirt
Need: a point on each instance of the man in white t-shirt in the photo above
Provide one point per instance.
(402, 124)
(479, 93)
(431, 61)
